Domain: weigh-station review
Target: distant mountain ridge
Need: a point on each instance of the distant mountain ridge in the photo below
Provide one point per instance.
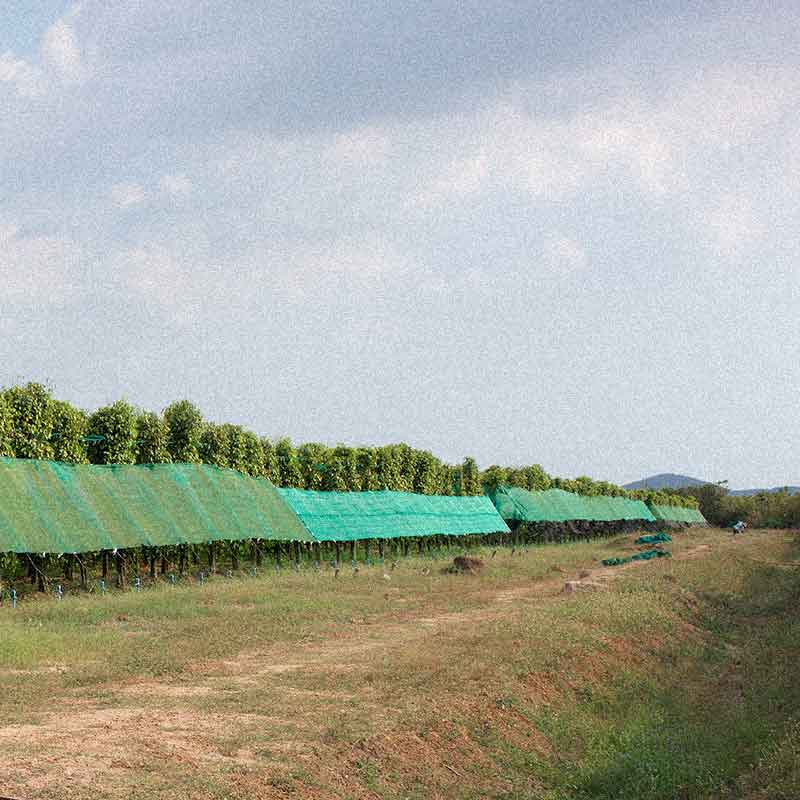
(670, 480)
(665, 480)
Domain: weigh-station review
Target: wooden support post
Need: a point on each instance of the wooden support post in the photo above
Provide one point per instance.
(338, 548)
(212, 557)
(297, 555)
(164, 562)
(234, 556)
(352, 549)
(84, 577)
(382, 550)
(258, 554)
(152, 561)
(405, 547)
(38, 570)
(69, 562)
(120, 565)
(278, 555)
(105, 565)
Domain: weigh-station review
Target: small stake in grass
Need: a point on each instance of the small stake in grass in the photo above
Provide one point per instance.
(102, 587)
(60, 592)
(13, 598)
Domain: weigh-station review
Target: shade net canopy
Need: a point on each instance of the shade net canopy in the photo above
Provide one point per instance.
(346, 516)
(50, 507)
(691, 516)
(556, 505)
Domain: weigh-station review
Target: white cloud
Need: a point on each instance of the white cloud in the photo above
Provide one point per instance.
(26, 80)
(37, 268)
(128, 194)
(60, 51)
(176, 185)
(368, 146)
(159, 280)
(733, 225)
(564, 254)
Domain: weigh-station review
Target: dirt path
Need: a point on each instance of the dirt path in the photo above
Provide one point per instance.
(163, 720)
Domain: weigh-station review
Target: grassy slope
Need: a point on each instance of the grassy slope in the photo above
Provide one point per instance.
(676, 681)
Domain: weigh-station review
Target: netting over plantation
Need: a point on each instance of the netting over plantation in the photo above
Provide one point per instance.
(556, 505)
(691, 516)
(345, 516)
(50, 507)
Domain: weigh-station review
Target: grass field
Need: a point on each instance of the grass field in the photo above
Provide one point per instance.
(674, 678)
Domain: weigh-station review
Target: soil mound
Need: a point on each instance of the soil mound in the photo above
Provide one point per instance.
(464, 565)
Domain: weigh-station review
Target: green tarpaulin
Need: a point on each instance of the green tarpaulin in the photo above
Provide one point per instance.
(556, 505)
(646, 556)
(342, 516)
(655, 538)
(692, 516)
(49, 507)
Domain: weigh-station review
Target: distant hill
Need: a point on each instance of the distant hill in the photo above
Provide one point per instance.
(669, 480)
(666, 480)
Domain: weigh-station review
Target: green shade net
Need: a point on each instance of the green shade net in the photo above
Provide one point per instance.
(50, 507)
(344, 516)
(692, 516)
(556, 505)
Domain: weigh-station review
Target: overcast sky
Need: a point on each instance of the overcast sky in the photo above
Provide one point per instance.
(556, 232)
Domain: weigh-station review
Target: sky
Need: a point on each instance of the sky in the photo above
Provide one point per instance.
(552, 232)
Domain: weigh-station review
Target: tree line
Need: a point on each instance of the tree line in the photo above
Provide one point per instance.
(34, 424)
(763, 510)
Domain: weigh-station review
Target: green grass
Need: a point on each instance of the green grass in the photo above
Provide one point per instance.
(677, 682)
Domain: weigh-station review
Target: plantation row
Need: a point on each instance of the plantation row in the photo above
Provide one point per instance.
(137, 567)
(33, 424)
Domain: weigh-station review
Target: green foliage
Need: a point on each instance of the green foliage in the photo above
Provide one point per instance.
(288, 466)
(30, 413)
(342, 470)
(252, 455)
(389, 467)
(763, 510)
(367, 466)
(312, 458)
(269, 459)
(236, 454)
(184, 428)
(407, 459)
(151, 439)
(494, 476)
(33, 425)
(70, 426)
(5, 428)
(115, 427)
(426, 473)
(663, 498)
(213, 447)
(470, 478)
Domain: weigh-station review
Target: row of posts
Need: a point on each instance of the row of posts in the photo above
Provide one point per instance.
(158, 562)
(294, 551)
